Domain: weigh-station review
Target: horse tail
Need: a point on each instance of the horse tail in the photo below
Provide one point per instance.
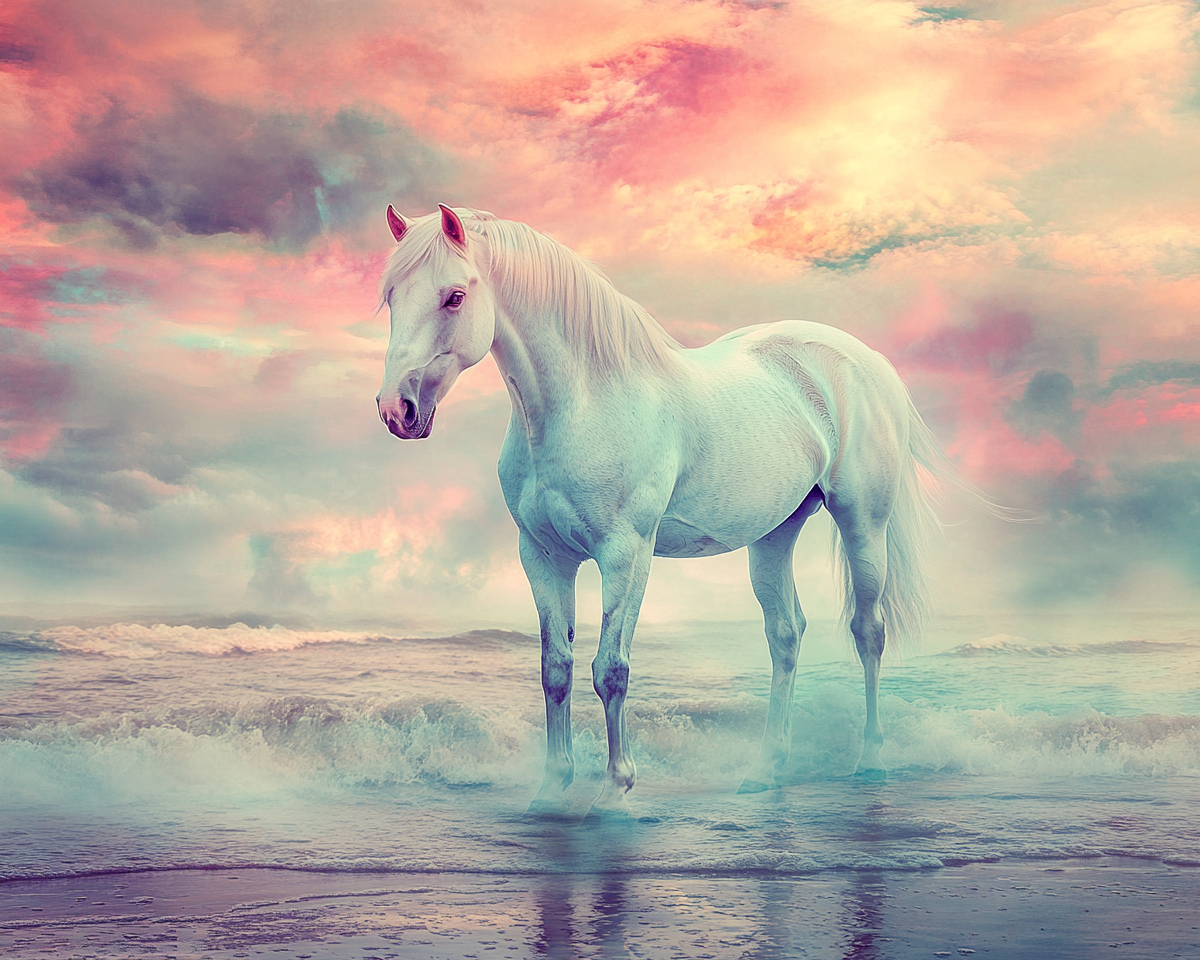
(905, 602)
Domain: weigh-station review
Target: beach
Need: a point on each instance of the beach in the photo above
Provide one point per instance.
(1075, 909)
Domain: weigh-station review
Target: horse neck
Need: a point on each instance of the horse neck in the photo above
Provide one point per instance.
(541, 370)
(562, 329)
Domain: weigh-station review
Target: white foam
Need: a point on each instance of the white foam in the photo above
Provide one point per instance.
(1002, 644)
(240, 752)
(1041, 745)
(133, 641)
(275, 746)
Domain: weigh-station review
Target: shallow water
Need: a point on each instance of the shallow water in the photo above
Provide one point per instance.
(129, 747)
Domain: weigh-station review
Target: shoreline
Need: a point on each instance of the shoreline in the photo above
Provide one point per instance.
(1074, 908)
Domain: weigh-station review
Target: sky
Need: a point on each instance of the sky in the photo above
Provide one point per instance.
(1002, 197)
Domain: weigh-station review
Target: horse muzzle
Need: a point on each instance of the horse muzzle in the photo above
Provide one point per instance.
(405, 420)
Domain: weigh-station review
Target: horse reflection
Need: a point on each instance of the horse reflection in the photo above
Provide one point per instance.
(862, 921)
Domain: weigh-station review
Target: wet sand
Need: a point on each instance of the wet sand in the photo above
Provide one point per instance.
(1077, 909)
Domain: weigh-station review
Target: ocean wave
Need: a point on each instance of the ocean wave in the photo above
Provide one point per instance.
(768, 861)
(25, 643)
(267, 748)
(1039, 745)
(774, 862)
(279, 745)
(1002, 644)
(135, 641)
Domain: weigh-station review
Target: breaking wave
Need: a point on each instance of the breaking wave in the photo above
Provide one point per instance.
(299, 743)
(1004, 645)
(134, 641)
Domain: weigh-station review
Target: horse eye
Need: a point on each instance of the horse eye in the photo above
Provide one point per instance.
(455, 299)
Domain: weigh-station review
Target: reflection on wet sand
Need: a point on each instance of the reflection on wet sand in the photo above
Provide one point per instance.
(863, 916)
(608, 926)
(1075, 911)
(556, 913)
(593, 908)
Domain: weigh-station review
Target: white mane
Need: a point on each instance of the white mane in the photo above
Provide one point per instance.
(536, 276)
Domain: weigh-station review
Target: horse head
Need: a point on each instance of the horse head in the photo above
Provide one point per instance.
(443, 317)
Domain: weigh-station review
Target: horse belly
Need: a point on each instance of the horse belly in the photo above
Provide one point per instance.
(722, 510)
(680, 539)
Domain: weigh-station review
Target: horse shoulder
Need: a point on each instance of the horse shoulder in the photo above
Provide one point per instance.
(515, 467)
(598, 468)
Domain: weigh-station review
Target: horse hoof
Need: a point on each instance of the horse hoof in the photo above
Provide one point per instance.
(549, 806)
(873, 774)
(756, 786)
(609, 815)
(608, 809)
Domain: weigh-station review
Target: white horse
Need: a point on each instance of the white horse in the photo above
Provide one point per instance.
(623, 445)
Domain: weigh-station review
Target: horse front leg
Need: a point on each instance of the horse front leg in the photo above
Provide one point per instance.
(553, 585)
(624, 570)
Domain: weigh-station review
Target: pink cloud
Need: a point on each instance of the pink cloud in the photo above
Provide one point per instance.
(710, 152)
(397, 538)
(996, 342)
(1159, 421)
(34, 293)
(33, 393)
(992, 449)
(24, 292)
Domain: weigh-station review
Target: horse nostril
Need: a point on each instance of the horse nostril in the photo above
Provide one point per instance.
(408, 411)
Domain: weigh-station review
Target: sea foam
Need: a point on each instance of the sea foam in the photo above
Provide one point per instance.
(1004, 645)
(135, 641)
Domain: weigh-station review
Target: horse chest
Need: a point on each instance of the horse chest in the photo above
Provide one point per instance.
(547, 505)
(555, 520)
(569, 502)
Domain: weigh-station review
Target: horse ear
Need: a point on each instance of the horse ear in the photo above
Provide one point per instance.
(398, 224)
(452, 226)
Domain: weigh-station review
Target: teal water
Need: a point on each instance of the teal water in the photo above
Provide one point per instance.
(127, 747)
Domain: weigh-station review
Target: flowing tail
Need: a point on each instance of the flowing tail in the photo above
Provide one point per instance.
(905, 601)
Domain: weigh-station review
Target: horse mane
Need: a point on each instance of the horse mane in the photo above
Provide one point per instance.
(535, 275)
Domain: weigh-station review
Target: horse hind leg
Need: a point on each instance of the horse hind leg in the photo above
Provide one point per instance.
(865, 543)
(775, 587)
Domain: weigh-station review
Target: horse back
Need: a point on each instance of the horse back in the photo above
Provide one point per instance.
(773, 411)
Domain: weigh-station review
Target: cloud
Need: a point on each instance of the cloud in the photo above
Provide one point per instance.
(202, 167)
(34, 392)
(278, 371)
(438, 540)
(1047, 405)
(33, 293)
(171, 473)
(994, 342)
(278, 580)
(1103, 532)
(1153, 372)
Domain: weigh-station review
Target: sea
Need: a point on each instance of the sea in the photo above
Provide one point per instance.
(142, 746)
